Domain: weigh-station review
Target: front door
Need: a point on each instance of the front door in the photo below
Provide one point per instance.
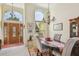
(13, 33)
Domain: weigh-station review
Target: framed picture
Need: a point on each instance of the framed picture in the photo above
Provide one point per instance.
(58, 26)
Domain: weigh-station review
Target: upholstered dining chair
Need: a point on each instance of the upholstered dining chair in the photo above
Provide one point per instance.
(57, 37)
(0, 43)
(71, 48)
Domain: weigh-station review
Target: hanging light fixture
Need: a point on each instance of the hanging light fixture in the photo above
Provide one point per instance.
(12, 13)
(48, 17)
(48, 20)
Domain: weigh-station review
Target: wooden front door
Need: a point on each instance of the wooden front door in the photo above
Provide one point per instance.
(13, 33)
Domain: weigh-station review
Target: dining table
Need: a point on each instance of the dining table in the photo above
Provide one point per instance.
(53, 44)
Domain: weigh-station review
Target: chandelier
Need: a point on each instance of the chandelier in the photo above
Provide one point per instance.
(48, 17)
(12, 14)
(48, 20)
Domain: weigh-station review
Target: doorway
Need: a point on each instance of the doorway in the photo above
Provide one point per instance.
(13, 33)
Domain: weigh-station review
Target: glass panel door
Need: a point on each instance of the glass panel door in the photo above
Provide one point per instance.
(14, 31)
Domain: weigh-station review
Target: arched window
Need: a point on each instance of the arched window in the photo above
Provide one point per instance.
(9, 15)
(40, 25)
(39, 16)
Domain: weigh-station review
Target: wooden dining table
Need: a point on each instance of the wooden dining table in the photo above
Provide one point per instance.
(52, 44)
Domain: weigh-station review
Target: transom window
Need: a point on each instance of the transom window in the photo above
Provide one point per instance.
(9, 15)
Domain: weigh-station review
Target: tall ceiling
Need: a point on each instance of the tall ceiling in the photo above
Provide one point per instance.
(21, 5)
(44, 5)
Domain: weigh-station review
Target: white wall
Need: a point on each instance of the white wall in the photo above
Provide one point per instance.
(30, 9)
(19, 5)
(43, 5)
(63, 12)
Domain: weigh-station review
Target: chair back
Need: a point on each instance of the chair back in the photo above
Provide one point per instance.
(68, 48)
(57, 37)
(0, 43)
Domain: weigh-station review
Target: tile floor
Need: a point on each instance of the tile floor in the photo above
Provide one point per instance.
(15, 51)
